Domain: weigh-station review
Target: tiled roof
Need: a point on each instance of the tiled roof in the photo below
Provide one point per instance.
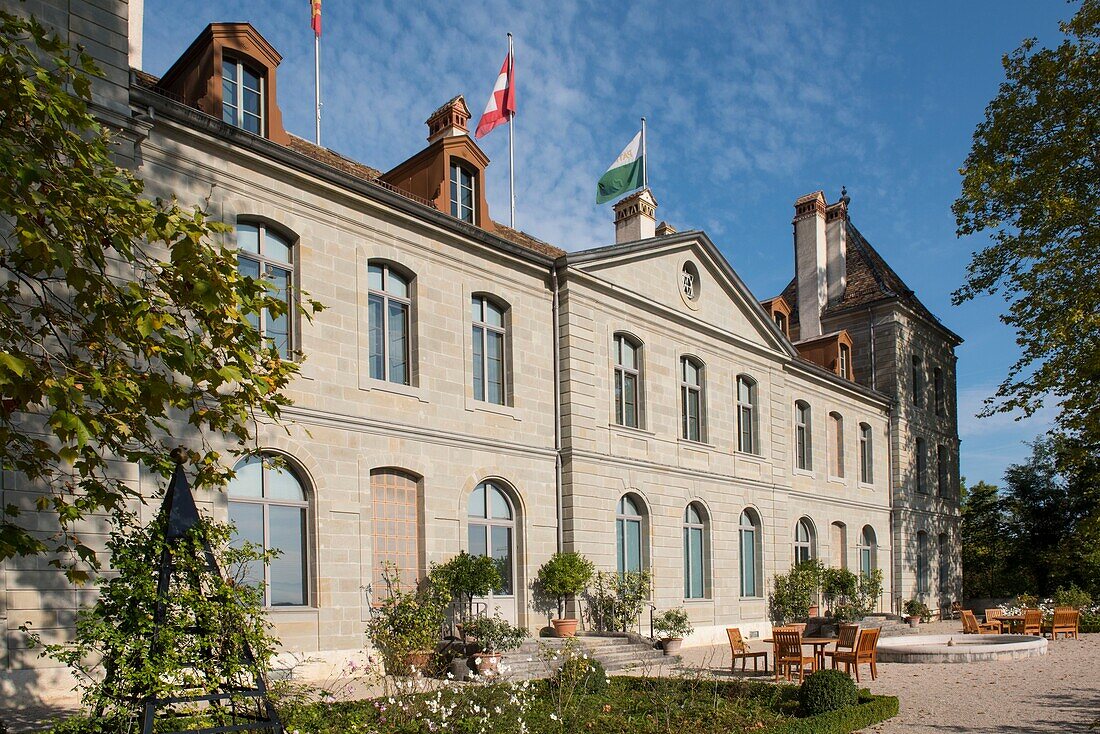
(869, 280)
(351, 167)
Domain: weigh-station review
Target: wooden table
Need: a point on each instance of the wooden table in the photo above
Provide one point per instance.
(1012, 620)
(819, 644)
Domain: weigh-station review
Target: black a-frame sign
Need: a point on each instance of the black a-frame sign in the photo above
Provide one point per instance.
(243, 704)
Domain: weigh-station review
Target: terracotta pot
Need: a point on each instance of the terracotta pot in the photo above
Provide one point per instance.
(671, 645)
(914, 621)
(486, 663)
(815, 611)
(416, 662)
(564, 627)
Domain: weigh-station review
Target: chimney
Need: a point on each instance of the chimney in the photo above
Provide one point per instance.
(635, 217)
(449, 120)
(836, 246)
(810, 262)
(664, 229)
(135, 14)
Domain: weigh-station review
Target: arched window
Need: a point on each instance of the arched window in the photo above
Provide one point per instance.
(242, 96)
(922, 562)
(492, 523)
(918, 381)
(462, 192)
(628, 381)
(838, 543)
(490, 363)
(746, 415)
(628, 534)
(390, 305)
(268, 507)
(845, 361)
(750, 556)
(802, 427)
(264, 253)
(868, 549)
(395, 525)
(945, 564)
(692, 399)
(695, 548)
(866, 455)
(922, 465)
(836, 445)
(804, 540)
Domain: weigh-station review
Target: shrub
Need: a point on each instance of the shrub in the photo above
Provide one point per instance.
(673, 623)
(917, 608)
(616, 600)
(793, 592)
(583, 673)
(495, 635)
(841, 721)
(565, 575)
(405, 621)
(1072, 597)
(464, 577)
(827, 690)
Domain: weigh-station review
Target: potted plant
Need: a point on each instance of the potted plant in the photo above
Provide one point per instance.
(916, 611)
(464, 577)
(494, 637)
(563, 577)
(672, 626)
(405, 626)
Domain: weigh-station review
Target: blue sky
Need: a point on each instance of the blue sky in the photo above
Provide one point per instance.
(749, 104)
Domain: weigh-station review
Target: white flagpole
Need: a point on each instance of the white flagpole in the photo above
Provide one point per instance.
(317, 80)
(645, 159)
(511, 141)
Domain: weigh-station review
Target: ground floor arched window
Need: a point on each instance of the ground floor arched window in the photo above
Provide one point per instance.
(492, 529)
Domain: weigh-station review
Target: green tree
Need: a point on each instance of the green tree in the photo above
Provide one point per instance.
(984, 547)
(120, 316)
(1032, 180)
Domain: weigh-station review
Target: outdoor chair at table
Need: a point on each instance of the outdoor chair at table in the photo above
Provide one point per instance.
(956, 610)
(866, 651)
(788, 653)
(845, 641)
(739, 649)
(971, 625)
(1066, 622)
(994, 616)
(1033, 622)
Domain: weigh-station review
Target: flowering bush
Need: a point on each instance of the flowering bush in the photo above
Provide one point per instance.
(672, 623)
(495, 635)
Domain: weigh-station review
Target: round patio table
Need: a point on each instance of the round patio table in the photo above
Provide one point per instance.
(1011, 620)
(819, 644)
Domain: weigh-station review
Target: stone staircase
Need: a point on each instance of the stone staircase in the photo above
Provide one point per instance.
(891, 625)
(617, 653)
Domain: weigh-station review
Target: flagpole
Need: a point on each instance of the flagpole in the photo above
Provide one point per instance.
(317, 80)
(511, 141)
(645, 159)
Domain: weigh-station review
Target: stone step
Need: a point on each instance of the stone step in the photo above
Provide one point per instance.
(614, 653)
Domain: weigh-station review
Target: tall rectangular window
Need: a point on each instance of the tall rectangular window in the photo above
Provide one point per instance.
(866, 455)
(937, 381)
(918, 381)
(845, 362)
(922, 467)
(628, 375)
(694, 529)
(746, 415)
(388, 305)
(264, 253)
(691, 399)
(242, 96)
(922, 562)
(748, 531)
(802, 436)
(836, 445)
(945, 564)
(942, 476)
(462, 193)
(488, 351)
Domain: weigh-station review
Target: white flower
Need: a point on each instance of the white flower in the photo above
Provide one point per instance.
(553, 717)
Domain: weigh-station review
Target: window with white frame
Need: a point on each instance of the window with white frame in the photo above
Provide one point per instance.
(746, 415)
(866, 455)
(845, 361)
(462, 193)
(695, 541)
(803, 541)
(390, 305)
(491, 531)
(629, 527)
(263, 253)
(922, 562)
(867, 550)
(628, 381)
(945, 564)
(242, 96)
(268, 508)
(802, 427)
(918, 381)
(836, 445)
(691, 399)
(490, 367)
(749, 535)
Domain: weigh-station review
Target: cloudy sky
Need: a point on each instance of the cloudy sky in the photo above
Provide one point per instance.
(749, 104)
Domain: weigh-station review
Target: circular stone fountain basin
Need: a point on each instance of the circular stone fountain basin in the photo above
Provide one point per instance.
(959, 648)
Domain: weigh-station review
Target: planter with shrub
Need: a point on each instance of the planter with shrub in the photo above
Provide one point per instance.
(564, 577)
(671, 627)
(495, 636)
(916, 612)
(405, 626)
(464, 577)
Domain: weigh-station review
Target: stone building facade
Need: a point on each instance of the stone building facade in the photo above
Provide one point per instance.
(469, 387)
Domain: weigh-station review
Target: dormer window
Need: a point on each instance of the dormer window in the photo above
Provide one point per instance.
(462, 193)
(781, 321)
(845, 362)
(242, 96)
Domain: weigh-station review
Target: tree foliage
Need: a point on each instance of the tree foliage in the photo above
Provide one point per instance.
(1032, 180)
(120, 316)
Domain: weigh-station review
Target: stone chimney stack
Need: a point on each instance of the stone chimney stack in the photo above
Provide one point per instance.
(836, 246)
(810, 262)
(635, 217)
(449, 120)
(135, 17)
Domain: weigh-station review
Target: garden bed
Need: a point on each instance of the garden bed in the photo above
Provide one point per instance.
(626, 705)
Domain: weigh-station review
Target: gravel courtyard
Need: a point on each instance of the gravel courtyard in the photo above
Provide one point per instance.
(1056, 692)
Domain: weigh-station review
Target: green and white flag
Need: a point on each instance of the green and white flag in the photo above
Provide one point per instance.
(625, 174)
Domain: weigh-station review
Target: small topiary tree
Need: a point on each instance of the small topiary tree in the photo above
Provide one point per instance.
(464, 577)
(827, 690)
(565, 576)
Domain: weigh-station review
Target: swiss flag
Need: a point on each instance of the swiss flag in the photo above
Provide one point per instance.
(502, 102)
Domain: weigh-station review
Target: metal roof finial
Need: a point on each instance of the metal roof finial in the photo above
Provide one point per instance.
(844, 198)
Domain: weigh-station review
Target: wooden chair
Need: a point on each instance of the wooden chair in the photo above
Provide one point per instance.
(845, 642)
(739, 649)
(994, 615)
(956, 610)
(788, 653)
(1033, 622)
(866, 651)
(971, 625)
(1066, 622)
